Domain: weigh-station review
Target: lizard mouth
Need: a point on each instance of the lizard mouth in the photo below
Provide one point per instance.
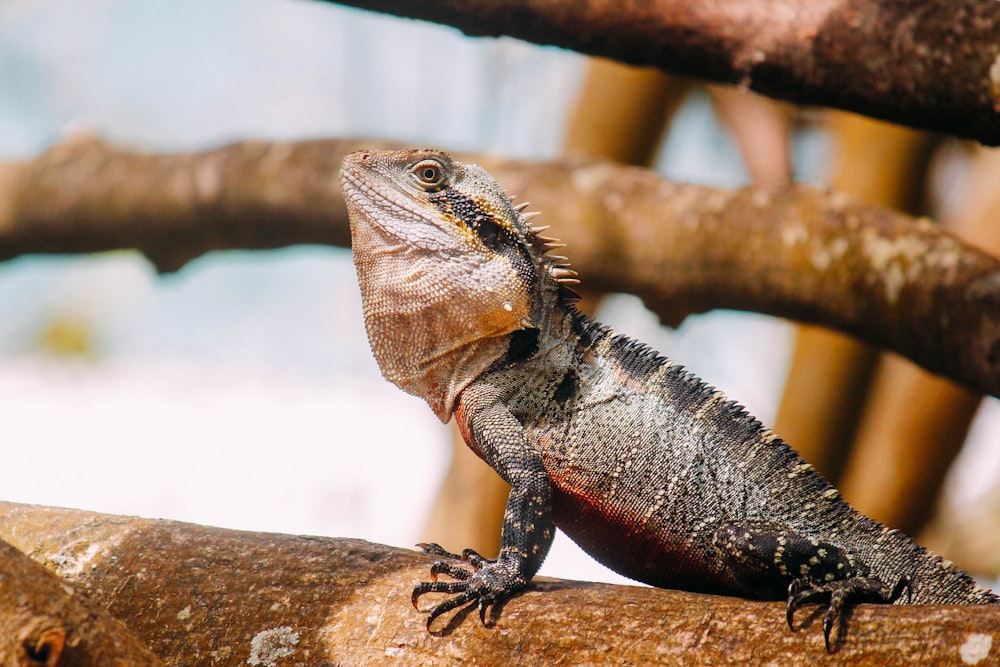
(391, 212)
(365, 199)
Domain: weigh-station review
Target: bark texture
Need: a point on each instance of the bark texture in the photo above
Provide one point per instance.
(796, 252)
(44, 622)
(932, 64)
(202, 595)
(84, 195)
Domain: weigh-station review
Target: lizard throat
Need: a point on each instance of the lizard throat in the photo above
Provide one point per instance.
(433, 331)
(428, 350)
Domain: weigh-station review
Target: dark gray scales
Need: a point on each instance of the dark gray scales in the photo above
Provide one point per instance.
(713, 501)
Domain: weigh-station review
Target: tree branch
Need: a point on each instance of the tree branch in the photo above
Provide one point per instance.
(930, 64)
(44, 622)
(793, 252)
(203, 595)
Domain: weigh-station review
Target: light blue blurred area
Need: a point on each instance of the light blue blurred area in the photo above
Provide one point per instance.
(239, 307)
(182, 74)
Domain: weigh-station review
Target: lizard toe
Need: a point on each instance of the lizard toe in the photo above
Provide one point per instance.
(838, 593)
(462, 598)
(473, 558)
(452, 570)
(425, 587)
(435, 549)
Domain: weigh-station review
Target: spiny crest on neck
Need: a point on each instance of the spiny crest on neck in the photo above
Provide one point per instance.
(558, 266)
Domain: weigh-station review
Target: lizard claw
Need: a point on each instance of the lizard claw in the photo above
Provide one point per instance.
(485, 581)
(483, 605)
(905, 583)
(839, 592)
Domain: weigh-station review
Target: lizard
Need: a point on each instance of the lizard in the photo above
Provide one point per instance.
(649, 469)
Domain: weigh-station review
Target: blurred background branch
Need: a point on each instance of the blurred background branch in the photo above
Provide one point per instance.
(794, 252)
(933, 65)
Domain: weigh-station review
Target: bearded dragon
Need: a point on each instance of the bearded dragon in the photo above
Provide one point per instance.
(650, 470)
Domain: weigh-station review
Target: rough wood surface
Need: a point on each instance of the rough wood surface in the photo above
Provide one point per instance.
(796, 252)
(45, 622)
(201, 595)
(933, 64)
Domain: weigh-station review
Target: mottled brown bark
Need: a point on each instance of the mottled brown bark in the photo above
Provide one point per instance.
(794, 252)
(83, 195)
(44, 622)
(932, 64)
(879, 164)
(202, 595)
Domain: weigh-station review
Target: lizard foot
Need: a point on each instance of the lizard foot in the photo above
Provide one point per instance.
(839, 592)
(488, 583)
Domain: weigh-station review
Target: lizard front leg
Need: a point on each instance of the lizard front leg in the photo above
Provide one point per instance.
(494, 433)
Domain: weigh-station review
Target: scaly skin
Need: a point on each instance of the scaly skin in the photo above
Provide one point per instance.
(651, 471)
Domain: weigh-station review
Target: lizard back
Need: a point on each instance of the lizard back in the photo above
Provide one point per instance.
(643, 453)
(650, 470)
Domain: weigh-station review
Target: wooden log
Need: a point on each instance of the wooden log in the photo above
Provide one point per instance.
(46, 622)
(199, 595)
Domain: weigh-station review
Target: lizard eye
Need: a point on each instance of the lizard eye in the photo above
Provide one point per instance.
(429, 175)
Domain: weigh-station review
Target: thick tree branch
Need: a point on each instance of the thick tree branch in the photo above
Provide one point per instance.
(202, 595)
(44, 622)
(793, 252)
(930, 64)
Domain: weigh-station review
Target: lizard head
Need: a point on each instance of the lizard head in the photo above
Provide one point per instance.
(448, 268)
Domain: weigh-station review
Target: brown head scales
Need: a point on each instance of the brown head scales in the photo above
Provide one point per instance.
(448, 268)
